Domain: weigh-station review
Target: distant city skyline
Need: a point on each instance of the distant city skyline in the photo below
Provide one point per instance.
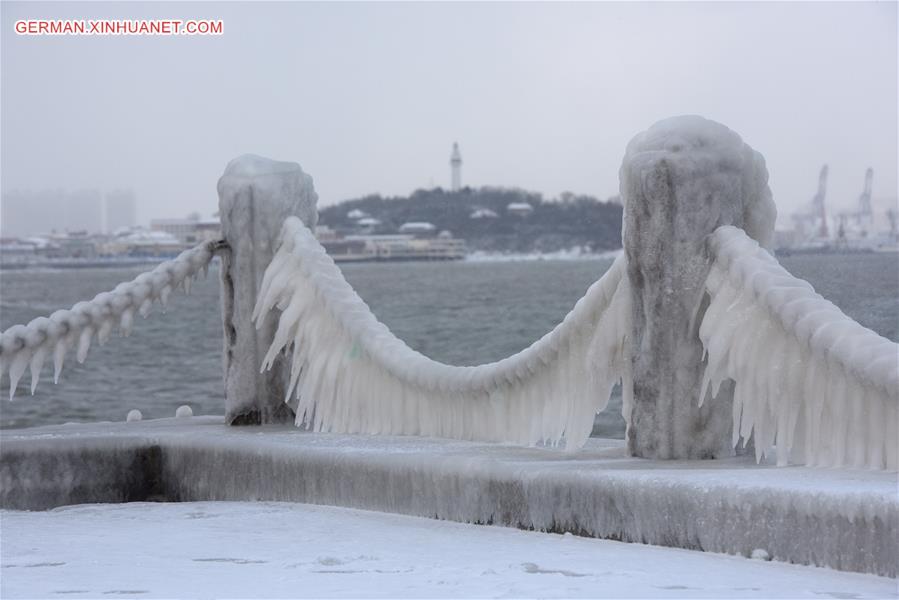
(368, 96)
(32, 212)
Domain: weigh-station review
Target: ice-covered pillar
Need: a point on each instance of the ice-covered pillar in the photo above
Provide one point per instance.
(680, 180)
(255, 196)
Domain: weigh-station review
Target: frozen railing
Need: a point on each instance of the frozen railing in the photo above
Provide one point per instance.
(691, 311)
(28, 346)
(811, 384)
(810, 381)
(351, 374)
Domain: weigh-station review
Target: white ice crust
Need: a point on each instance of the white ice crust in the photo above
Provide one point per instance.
(352, 375)
(680, 180)
(256, 195)
(804, 372)
(713, 161)
(27, 346)
(809, 379)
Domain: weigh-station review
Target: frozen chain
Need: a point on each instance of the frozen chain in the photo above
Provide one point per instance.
(812, 385)
(814, 321)
(301, 251)
(24, 346)
(349, 373)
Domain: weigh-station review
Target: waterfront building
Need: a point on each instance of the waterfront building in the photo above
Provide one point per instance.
(189, 231)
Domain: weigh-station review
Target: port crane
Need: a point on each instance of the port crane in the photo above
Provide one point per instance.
(812, 223)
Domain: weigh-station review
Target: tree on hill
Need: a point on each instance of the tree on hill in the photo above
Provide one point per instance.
(570, 221)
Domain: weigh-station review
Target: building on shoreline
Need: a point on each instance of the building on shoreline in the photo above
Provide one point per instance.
(390, 247)
(191, 230)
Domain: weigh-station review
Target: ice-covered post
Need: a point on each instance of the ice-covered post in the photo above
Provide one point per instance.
(680, 180)
(255, 196)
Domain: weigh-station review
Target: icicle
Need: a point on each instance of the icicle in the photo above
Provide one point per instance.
(37, 362)
(84, 344)
(16, 368)
(104, 330)
(164, 295)
(59, 357)
(126, 321)
(145, 307)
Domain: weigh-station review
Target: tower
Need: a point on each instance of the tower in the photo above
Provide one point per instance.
(455, 168)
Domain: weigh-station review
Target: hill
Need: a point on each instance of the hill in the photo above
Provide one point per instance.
(483, 218)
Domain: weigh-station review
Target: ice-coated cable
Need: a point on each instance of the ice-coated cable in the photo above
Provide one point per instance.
(351, 374)
(28, 346)
(812, 384)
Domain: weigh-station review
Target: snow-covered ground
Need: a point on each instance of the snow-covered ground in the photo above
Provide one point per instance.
(231, 549)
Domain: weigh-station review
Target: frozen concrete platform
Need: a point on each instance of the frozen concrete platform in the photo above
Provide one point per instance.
(844, 519)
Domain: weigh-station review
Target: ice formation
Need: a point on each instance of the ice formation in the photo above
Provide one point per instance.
(351, 374)
(680, 180)
(810, 382)
(28, 346)
(133, 415)
(184, 411)
(256, 194)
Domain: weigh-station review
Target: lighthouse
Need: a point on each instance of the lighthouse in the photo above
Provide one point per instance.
(455, 168)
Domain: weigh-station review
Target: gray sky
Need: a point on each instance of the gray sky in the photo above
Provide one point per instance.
(369, 97)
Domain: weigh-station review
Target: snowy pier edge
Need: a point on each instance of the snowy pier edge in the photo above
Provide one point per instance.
(841, 519)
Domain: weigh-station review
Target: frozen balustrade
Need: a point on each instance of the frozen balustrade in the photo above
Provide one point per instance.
(28, 346)
(648, 322)
(695, 308)
(680, 180)
(811, 383)
(350, 374)
(256, 195)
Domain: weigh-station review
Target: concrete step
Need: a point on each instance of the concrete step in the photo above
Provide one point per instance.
(842, 519)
